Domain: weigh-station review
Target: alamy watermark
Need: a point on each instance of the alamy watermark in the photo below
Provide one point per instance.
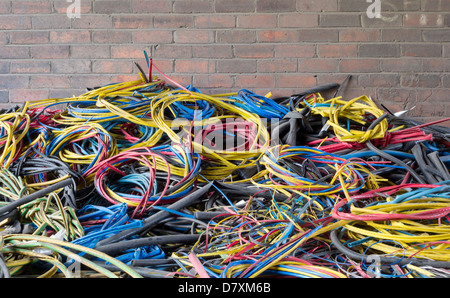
(74, 9)
(374, 9)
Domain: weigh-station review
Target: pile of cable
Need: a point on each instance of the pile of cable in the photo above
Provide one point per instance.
(149, 178)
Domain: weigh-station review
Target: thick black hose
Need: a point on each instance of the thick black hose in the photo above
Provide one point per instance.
(395, 160)
(38, 194)
(118, 247)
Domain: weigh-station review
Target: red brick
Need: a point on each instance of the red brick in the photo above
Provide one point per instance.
(379, 80)
(295, 50)
(317, 65)
(112, 66)
(317, 5)
(402, 95)
(254, 51)
(31, 7)
(401, 65)
(194, 66)
(339, 20)
(446, 81)
(194, 36)
(277, 65)
(193, 6)
(446, 49)
(70, 36)
(183, 79)
(92, 22)
(299, 20)
(5, 7)
(14, 82)
(275, 5)
(173, 51)
(111, 6)
(15, 52)
(421, 80)
(89, 80)
(351, 93)
(52, 22)
(152, 36)
(236, 36)
(30, 67)
(352, 6)
(213, 81)
(359, 65)
(4, 97)
(401, 34)
(436, 65)
(111, 37)
(127, 51)
(337, 50)
(438, 35)
(236, 66)
(319, 35)
(421, 50)
(71, 66)
(424, 20)
(50, 52)
(173, 21)
(295, 81)
(287, 36)
(29, 37)
(4, 67)
(358, 35)
(3, 38)
(124, 78)
(379, 50)
(50, 81)
(235, 6)
(65, 93)
(257, 21)
(89, 51)
(22, 95)
(215, 21)
(438, 95)
(166, 65)
(324, 78)
(212, 51)
(132, 21)
(437, 6)
(255, 81)
(151, 6)
(437, 109)
(12, 22)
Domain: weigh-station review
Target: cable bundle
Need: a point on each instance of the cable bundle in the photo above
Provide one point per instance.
(149, 178)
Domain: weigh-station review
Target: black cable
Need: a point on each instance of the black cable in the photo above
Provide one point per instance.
(384, 259)
(156, 218)
(389, 157)
(152, 262)
(51, 165)
(342, 85)
(118, 247)
(38, 194)
(396, 161)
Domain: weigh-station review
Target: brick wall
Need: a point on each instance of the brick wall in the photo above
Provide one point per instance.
(283, 46)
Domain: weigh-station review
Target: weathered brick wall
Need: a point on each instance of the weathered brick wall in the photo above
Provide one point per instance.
(283, 46)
